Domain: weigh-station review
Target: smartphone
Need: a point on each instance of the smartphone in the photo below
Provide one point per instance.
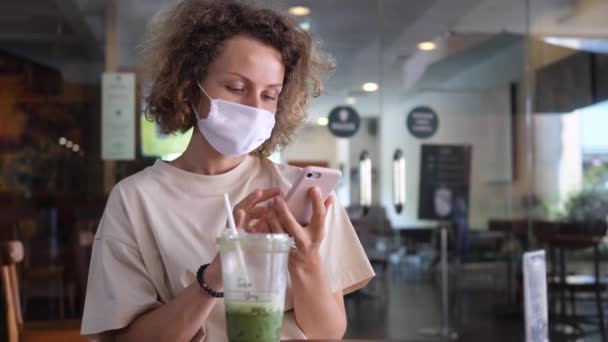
(298, 199)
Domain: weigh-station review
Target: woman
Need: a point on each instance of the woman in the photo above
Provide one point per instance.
(242, 77)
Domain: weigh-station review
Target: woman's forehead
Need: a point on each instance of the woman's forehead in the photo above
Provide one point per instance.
(251, 59)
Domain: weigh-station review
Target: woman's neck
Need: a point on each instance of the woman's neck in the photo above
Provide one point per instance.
(200, 157)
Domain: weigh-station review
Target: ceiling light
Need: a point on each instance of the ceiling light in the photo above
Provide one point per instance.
(299, 11)
(427, 46)
(370, 87)
(351, 100)
(69, 144)
(597, 45)
(76, 148)
(322, 121)
(62, 141)
(305, 25)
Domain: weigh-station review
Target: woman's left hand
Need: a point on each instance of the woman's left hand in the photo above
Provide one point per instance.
(308, 239)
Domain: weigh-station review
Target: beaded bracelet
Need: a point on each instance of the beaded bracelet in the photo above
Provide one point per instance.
(201, 283)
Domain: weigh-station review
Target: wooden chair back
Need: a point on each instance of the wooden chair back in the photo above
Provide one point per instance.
(11, 253)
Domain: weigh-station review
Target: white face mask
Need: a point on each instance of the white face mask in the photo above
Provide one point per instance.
(234, 129)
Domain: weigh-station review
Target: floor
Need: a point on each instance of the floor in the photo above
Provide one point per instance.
(403, 304)
(408, 303)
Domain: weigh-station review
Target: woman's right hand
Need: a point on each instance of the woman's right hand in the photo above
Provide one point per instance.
(251, 216)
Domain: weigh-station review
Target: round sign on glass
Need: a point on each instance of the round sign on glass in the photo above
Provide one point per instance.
(422, 122)
(343, 122)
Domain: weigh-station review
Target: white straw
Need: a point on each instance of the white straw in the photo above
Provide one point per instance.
(232, 225)
(229, 213)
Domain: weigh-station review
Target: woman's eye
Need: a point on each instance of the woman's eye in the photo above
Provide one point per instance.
(235, 89)
(269, 98)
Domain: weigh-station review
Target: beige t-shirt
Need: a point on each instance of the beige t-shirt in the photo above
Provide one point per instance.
(161, 224)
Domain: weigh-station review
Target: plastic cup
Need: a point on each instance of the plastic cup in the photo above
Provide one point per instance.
(254, 298)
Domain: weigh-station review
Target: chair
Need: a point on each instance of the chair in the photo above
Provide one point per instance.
(375, 233)
(515, 240)
(83, 233)
(562, 237)
(43, 262)
(377, 238)
(484, 264)
(11, 253)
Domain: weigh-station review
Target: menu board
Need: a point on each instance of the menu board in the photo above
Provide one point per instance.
(444, 181)
(535, 296)
(118, 116)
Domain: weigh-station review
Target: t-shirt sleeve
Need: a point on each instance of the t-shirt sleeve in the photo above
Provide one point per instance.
(119, 288)
(345, 261)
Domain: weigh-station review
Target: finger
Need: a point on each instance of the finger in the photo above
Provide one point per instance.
(257, 212)
(239, 217)
(261, 227)
(249, 229)
(288, 222)
(275, 223)
(251, 198)
(249, 222)
(256, 197)
(317, 222)
(253, 215)
(328, 202)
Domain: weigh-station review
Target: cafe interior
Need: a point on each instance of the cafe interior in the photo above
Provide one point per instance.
(470, 134)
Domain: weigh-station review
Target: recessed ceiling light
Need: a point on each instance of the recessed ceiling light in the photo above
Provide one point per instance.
(69, 144)
(305, 25)
(62, 141)
(76, 148)
(370, 87)
(322, 121)
(299, 11)
(351, 100)
(426, 46)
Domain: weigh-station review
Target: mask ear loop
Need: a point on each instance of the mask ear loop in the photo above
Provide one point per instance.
(195, 112)
(204, 92)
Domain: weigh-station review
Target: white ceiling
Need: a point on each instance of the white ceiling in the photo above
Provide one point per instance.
(64, 34)
(582, 18)
(372, 40)
(347, 29)
(362, 35)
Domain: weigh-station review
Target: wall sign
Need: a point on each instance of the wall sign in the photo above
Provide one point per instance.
(445, 172)
(118, 116)
(422, 122)
(344, 121)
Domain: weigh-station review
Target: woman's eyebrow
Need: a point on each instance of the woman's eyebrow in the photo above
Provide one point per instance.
(274, 85)
(237, 74)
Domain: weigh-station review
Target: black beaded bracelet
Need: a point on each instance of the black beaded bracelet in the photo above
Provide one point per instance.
(201, 283)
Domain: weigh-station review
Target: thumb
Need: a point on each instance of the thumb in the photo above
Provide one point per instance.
(239, 217)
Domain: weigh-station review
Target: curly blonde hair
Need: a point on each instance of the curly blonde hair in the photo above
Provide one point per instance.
(184, 40)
